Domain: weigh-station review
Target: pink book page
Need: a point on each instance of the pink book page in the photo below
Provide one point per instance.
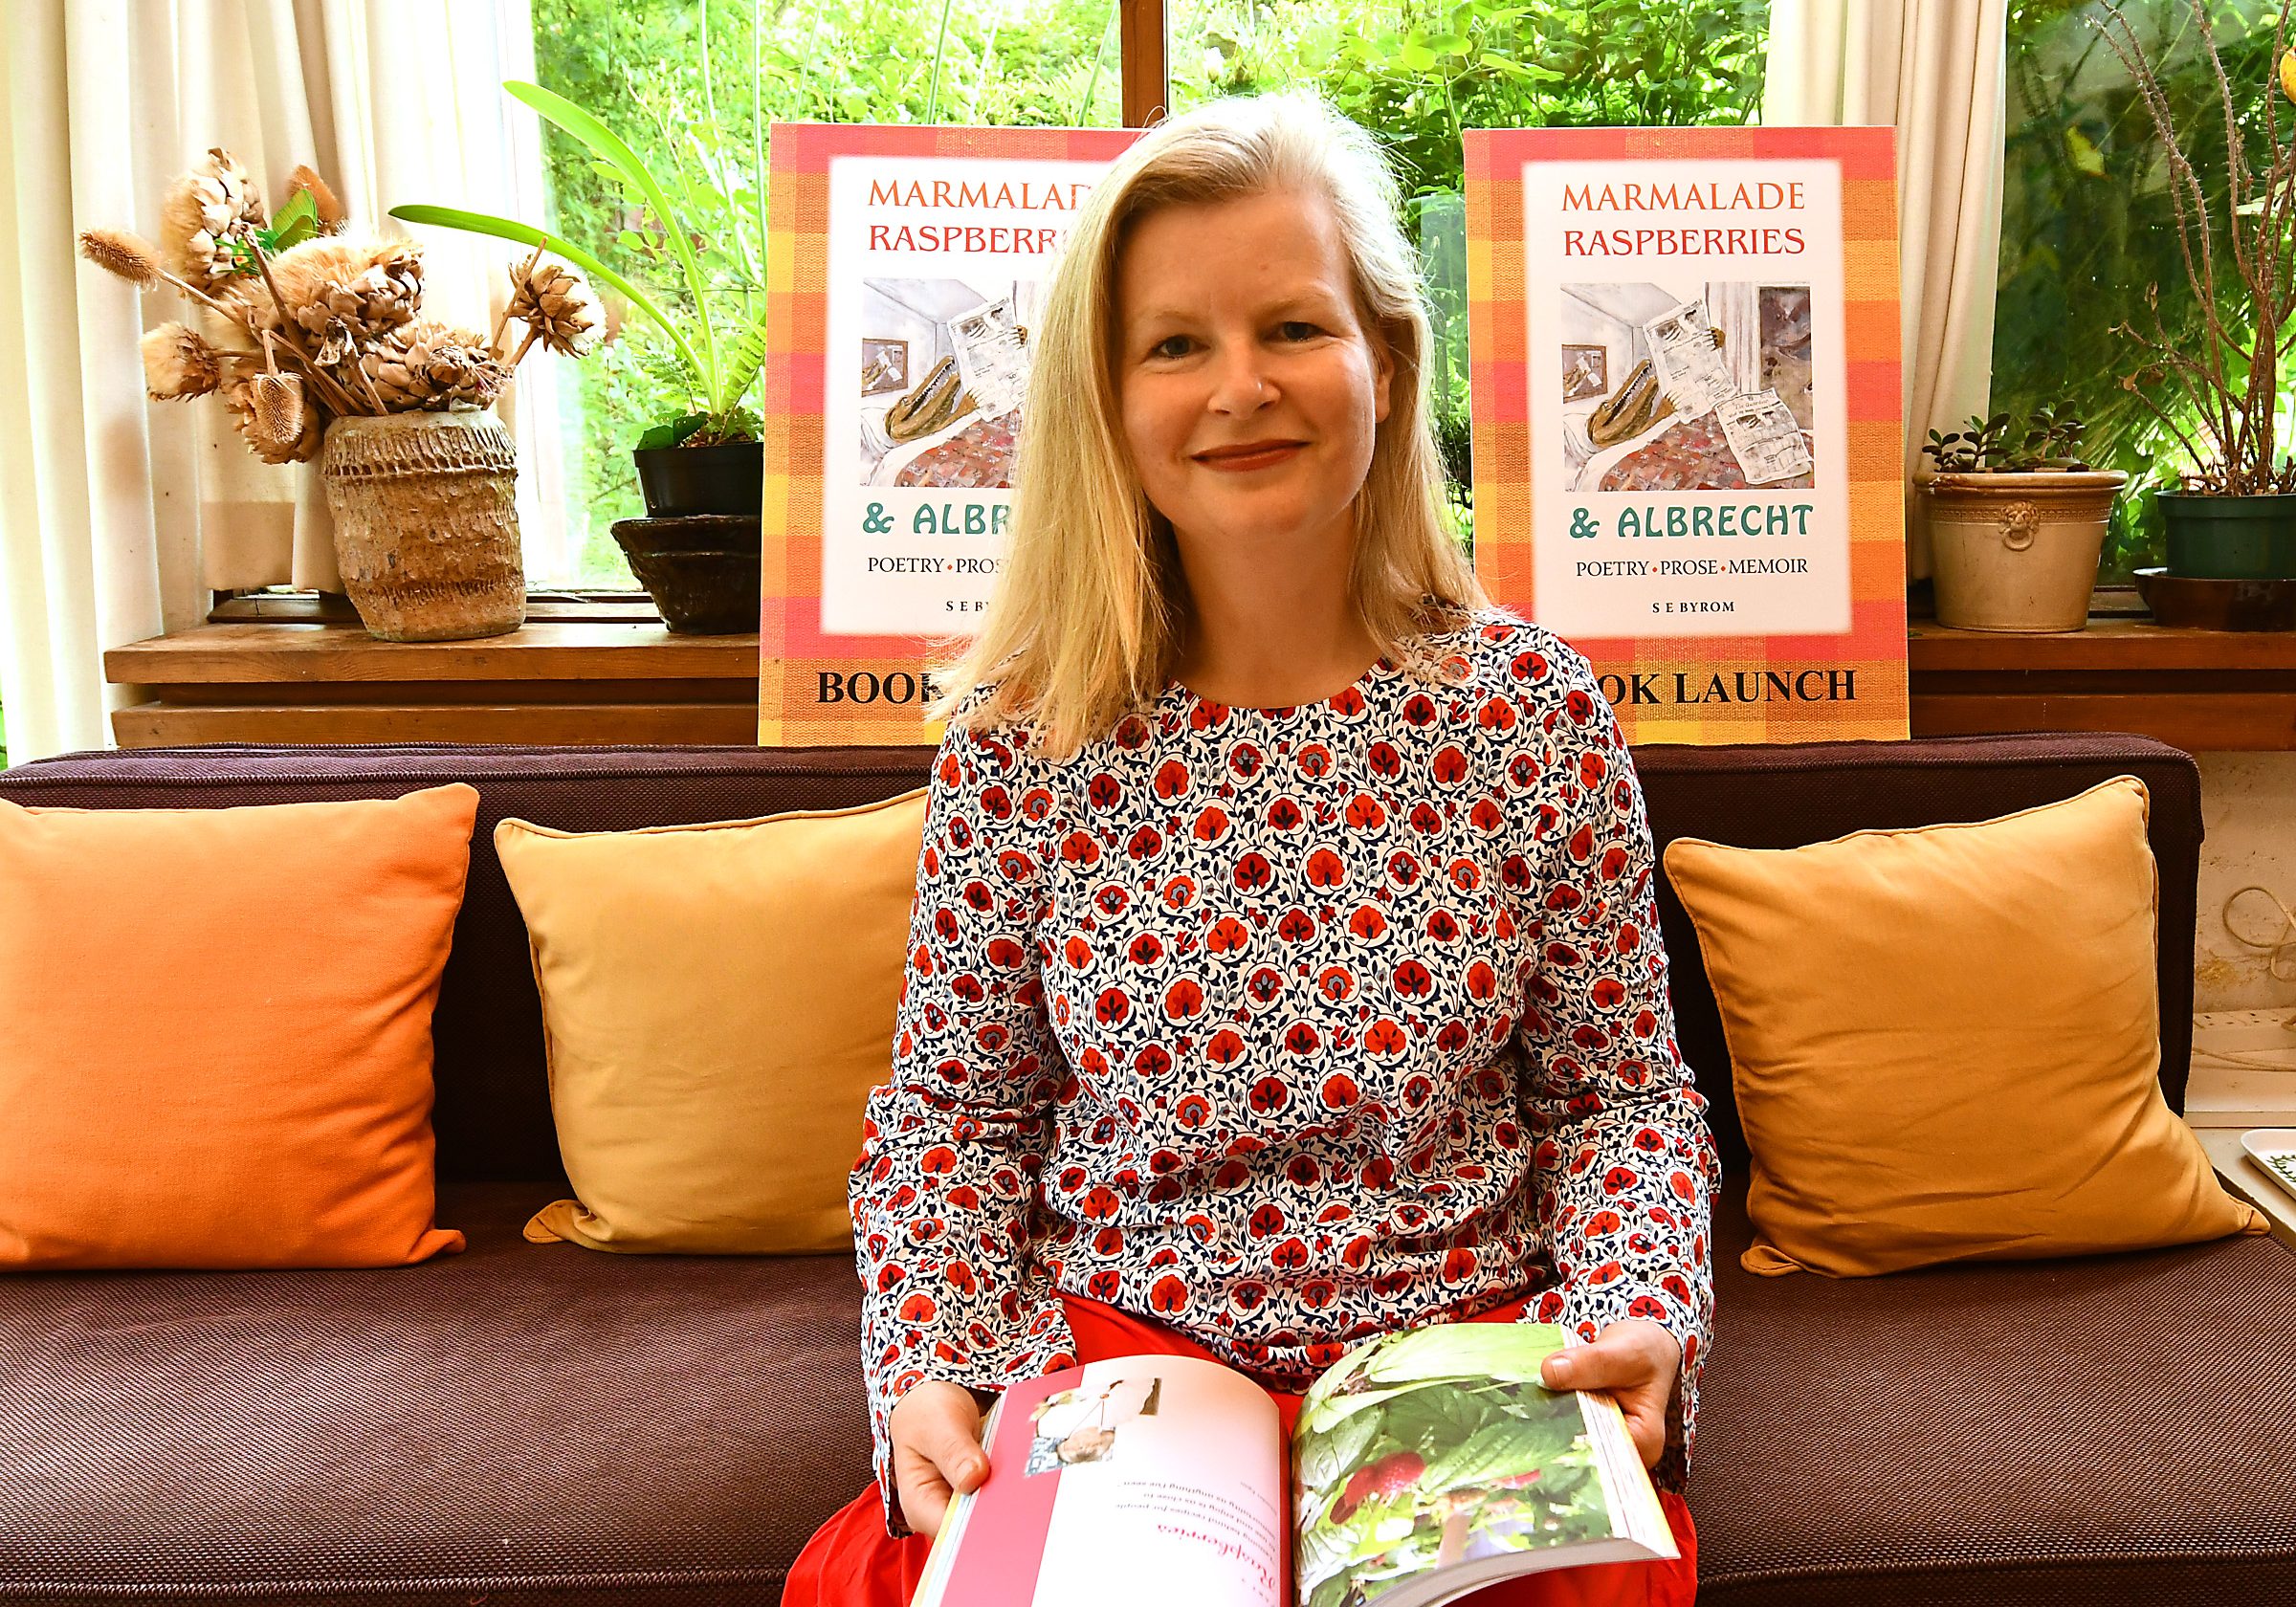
(1135, 1481)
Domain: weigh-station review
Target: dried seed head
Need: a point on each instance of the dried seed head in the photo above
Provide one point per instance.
(179, 363)
(277, 401)
(425, 365)
(563, 311)
(199, 213)
(331, 216)
(358, 286)
(221, 169)
(276, 419)
(116, 250)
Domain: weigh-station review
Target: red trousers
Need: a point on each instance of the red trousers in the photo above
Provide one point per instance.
(851, 1562)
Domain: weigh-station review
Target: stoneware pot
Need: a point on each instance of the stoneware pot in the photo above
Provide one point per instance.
(426, 524)
(2017, 552)
(680, 480)
(702, 572)
(2230, 538)
(2218, 605)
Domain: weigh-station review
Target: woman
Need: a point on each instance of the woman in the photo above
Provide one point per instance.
(1284, 967)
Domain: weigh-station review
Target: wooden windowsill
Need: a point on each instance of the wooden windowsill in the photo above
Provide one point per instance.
(589, 681)
(2198, 690)
(2111, 644)
(608, 680)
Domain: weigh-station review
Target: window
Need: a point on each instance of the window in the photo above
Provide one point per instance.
(675, 77)
(2086, 228)
(691, 84)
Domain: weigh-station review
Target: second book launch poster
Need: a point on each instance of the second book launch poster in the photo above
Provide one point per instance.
(1685, 409)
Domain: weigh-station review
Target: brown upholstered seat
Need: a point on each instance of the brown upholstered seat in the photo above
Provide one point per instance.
(2085, 1430)
(541, 1424)
(520, 1422)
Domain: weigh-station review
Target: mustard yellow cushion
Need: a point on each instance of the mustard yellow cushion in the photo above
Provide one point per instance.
(1946, 1045)
(718, 1000)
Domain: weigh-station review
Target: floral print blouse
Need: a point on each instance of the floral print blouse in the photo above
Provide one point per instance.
(1285, 1027)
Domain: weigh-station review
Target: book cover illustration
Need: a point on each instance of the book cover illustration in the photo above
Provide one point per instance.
(957, 426)
(1684, 419)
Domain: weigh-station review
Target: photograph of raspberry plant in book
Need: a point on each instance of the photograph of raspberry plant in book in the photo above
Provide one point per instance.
(1433, 1447)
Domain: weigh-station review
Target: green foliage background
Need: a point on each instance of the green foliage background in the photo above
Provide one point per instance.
(2087, 224)
(676, 78)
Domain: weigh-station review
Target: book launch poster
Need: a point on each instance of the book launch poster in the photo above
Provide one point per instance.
(1686, 431)
(905, 266)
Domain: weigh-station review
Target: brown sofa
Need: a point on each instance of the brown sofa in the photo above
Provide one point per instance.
(543, 1425)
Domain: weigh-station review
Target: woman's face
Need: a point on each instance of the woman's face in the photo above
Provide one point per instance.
(1250, 390)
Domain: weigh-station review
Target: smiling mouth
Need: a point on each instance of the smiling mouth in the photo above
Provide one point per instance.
(1259, 455)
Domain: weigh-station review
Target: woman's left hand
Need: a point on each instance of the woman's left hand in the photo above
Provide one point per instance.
(1635, 1363)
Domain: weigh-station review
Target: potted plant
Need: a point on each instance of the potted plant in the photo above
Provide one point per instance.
(2234, 516)
(2017, 520)
(708, 459)
(314, 335)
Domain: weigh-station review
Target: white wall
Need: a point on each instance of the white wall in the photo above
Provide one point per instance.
(2248, 806)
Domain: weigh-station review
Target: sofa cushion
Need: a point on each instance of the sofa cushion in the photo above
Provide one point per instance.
(2089, 1429)
(513, 1424)
(1878, 988)
(218, 1050)
(719, 1000)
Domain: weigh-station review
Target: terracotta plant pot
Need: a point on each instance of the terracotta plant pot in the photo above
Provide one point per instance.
(2018, 551)
(426, 524)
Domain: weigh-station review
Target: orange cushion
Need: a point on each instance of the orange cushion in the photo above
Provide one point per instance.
(218, 1041)
(1946, 1041)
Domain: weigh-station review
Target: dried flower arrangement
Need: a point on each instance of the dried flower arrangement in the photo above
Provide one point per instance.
(322, 323)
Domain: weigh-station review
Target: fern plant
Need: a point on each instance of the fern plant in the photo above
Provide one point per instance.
(718, 363)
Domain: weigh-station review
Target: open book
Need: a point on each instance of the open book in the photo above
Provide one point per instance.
(1425, 1465)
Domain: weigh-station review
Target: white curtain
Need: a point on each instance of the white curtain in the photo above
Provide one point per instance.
(118, 516)
(1936, 70)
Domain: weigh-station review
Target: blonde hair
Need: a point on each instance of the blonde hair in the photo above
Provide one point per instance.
(1083, 622)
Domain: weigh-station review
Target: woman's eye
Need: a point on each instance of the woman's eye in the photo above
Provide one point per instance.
(1298, 330)
(1171, 345)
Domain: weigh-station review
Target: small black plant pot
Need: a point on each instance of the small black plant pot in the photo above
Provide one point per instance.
(680, 480)
(702, 571)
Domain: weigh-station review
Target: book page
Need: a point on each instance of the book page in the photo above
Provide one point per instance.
(1689, 367)
(1138, 1482)
(1431, 1463)
(992, 355)
(1764, 437)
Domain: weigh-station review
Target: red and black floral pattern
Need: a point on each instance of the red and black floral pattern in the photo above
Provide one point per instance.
(1286, 1026)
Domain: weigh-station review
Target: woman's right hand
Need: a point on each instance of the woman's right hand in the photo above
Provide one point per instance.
(936, 1434)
